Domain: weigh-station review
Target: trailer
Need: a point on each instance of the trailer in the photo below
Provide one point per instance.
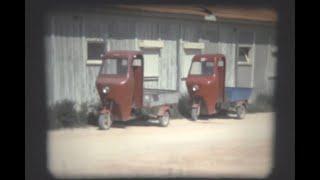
(236, 101)
(206, 87)
(123, 97)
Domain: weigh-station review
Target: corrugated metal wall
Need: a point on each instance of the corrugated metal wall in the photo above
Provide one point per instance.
(69, 77)
(263, 55)
(271, 69)
(166, 31)
(227, 43)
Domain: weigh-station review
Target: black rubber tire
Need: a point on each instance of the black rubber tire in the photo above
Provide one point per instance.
(164, 120)
(105, 121)
(223, 112)
(195, 112)
(241, 111)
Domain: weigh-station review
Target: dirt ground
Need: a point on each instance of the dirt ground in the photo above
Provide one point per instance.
(211, 147)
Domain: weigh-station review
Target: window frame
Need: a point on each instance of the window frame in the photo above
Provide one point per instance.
(239, 45)
(123, 74)
(203, 75)
(248, 60)
(93, 40)
(155, 75)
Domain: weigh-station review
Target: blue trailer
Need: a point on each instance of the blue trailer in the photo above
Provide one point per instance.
(233, 94)
(236, 100)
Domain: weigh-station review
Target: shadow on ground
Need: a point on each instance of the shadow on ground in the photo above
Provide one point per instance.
(214, 117)
(134, 122)
(138, 122)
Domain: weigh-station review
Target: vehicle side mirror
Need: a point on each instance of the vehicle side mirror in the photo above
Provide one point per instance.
(183, 79)
(136, 63)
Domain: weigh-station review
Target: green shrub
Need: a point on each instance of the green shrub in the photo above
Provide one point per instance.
(82, 114)
(263, 103)
(63, 114)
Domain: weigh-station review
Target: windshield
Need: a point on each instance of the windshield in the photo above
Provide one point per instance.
(115, 67)
(201, 68)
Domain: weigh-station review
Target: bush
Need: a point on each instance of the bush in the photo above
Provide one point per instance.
(82, 114)
(63, 114)
(263, 103)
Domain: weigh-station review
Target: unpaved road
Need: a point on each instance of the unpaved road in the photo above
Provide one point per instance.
(205, 148)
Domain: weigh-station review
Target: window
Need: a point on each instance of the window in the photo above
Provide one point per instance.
(245, 47)
(95, 50)
(244, 54)
(202, 68)
(151, 62)
(95, 47)
(220, 63)
(187, 60)
(115, 67)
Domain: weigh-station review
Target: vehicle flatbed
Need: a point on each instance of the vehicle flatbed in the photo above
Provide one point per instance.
(158, 97)
(234, 94)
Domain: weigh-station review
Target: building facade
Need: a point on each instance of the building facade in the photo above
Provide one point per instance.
(76, 39)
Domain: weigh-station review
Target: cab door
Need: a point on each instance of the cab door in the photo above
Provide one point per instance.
(220, 75)
(137, 69)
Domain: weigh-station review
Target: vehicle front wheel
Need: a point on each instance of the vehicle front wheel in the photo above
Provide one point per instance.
(195, 112)
(165, 119)
(241, 111)
(105, 121)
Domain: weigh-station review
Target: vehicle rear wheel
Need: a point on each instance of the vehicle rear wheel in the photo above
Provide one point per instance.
(241, 111)
(223, 112)
(165, 119)
(105, 121)
(195, 112)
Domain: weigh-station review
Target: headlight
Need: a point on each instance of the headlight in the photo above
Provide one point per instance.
(105, 90)
(195, 88)
(147, 97)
